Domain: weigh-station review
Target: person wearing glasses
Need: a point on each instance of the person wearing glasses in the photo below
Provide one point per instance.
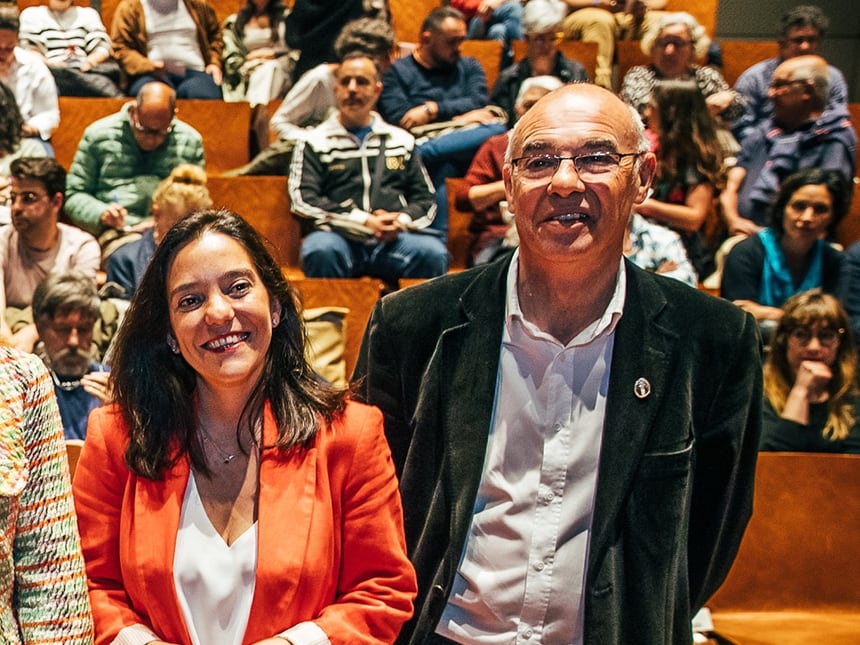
(542, 29)
(674, 43)
(810, 379)
(37, 244)
(801, 133)
(791, 255)
(575, 437)
(121, 159)
(802, 29)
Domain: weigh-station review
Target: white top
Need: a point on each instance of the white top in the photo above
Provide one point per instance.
(522, 575)
(52, 33)
(35, 91)
(172, 37)
(214, 582)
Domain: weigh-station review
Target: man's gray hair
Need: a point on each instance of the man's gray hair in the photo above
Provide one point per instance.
(544, 82)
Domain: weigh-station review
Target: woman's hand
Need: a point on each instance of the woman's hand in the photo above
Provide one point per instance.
(812, 378)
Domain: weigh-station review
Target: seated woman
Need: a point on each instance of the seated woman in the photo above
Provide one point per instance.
(674, 43)
(172, 41)
(184, 191)
(791, 255)
(230, 495)
(810, 387)
(256, 61)
(689, 170)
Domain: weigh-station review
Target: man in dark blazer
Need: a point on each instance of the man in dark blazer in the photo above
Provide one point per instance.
(647, 391)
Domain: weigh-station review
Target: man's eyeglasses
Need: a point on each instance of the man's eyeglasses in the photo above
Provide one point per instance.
(781, 84)
(827, 336)
(546, 38)
(28, 197)
(590, 167)
(799, 40)
(677, 43)
(149, 132)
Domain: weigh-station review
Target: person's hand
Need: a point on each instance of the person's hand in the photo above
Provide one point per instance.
(114, 216)
(742, 226)
(98, 385)
(720, 101)
(486, 9)
(481, 115)
(142, 227)
(667, 266)
(384, 225)
(812, 378)
(263, 53)
(28, 130)
(215, 72)
(419, 115)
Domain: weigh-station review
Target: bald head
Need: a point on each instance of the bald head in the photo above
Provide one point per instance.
(156, 96)
(152, 115)
(812, 70)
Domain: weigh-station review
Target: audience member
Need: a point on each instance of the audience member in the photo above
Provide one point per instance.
(177, 42)
(311, 99)
(673, 43)
(37, 243)
(436, 84)
(655, 248)
(120, 160)
(75, 46)
(802, 29)
(493, 20)
(66, 307)
(313, 26)
(801, 133)
(361, 185)
(43, 593)
(255, 492)
(810, 379)
(792, 254)
(12, 145)
(257, 64)
(563, 421)
(689, 166)
(605, 21)
(484, 188)
(542, 28)
(30, 81)
(183, 192)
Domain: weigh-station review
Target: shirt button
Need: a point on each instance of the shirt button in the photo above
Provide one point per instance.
(528, 633)
(539, 566)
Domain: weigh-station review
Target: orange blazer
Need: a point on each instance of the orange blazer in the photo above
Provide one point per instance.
(330, 532)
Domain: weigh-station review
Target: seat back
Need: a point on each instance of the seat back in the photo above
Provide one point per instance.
(739, 55)
(849, 228)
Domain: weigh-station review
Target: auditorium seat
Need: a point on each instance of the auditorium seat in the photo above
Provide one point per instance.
(849, 228)
(739, 55)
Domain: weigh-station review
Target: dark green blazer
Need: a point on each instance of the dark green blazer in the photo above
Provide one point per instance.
(675, 484)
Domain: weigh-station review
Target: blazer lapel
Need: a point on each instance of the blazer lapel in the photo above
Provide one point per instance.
(641, 361)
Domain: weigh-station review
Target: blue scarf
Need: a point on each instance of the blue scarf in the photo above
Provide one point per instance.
(776, 283)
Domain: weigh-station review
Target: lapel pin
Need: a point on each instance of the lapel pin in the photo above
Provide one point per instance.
(641, 388)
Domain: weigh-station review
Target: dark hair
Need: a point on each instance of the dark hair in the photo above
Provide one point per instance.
(836, 183)
(64, 293)
(47, 170)
(11, 120)
(688, 132)
(275, 10)
(805, 15)
(370, 36)
(434, 19)
(9, 19)
(154, 387)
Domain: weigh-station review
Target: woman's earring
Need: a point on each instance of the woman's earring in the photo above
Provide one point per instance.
(275, 319)
(171, 343)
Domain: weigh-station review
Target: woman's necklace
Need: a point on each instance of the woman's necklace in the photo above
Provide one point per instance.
(226, 458)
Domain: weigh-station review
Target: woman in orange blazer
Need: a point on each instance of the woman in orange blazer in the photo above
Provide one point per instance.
(229, 496)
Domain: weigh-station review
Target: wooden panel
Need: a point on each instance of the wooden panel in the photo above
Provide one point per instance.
(849, 228)
(75, 115)
(264, 202)
(739, 55)
(488, 53)
(458, 226)
(704, 11)
(73, 454)
(582, 52)
(407, 16)
(359, 295)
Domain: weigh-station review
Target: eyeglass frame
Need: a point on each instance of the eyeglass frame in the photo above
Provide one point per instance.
(678, 43)
(803, 335)
(575, 159)
(138, 127)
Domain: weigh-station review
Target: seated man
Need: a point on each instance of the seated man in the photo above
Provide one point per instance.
(605, 21)
(65, 309)
(542, 20)
(801, 133)
(37, 244)
(493, 20)
(436, 84)
(310, 101)
(803, 28)
(120, 160)
(361, 186)
(29, 79)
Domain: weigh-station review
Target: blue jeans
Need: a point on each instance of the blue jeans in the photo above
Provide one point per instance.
(505, 25)
(410, 255)
(193, 84)
(450, 156)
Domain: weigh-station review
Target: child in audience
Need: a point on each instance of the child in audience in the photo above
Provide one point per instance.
(810, 388)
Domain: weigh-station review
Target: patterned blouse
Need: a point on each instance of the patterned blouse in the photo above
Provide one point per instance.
(43, 593)
(640, 79)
